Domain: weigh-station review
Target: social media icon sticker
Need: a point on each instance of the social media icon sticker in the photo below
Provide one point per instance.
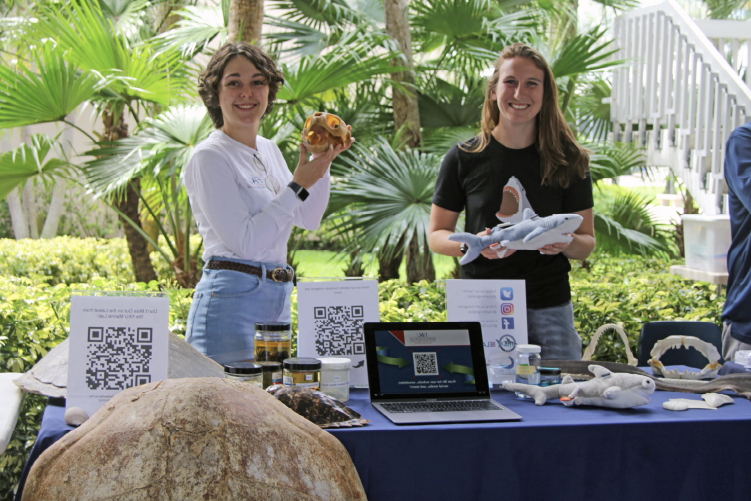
(507, 293)
(507, 309)
(507, 323)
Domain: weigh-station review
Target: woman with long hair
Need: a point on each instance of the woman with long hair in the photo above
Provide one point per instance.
(245, 201)
(525, 157)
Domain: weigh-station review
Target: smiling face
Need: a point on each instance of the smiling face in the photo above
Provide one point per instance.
(243, 97)
(519, 92)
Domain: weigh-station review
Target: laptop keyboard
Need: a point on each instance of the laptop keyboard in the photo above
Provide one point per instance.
(444, 406)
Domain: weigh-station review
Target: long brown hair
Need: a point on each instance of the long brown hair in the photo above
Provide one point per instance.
(562, 156)
(208, 82)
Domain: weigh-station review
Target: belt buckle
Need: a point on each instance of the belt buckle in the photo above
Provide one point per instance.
(280, 275)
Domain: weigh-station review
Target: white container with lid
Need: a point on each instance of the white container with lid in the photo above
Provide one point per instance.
(527, 365)
(335, 377)
(706, 240)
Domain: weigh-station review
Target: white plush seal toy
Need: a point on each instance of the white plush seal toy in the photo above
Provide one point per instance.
(614, 390)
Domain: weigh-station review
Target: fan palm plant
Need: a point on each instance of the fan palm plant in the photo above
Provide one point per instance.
(41, 157)
(386, 196)
(86, 59)
(157, 153)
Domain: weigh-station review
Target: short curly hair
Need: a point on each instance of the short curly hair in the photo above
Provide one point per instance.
(208, 82)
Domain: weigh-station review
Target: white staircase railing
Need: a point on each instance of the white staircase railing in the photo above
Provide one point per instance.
(732, 39)
(678, 96)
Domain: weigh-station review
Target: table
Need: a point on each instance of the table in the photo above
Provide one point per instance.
(555, 452)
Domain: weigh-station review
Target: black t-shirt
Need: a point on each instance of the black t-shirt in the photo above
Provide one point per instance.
(477, 182)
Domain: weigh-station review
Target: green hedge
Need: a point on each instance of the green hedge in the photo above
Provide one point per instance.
(34, 309)
(69, 260)
(33, 320)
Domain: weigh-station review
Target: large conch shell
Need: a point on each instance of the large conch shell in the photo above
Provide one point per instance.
(706, 349)
(322, 129)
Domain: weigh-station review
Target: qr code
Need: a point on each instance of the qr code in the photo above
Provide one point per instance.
(426, 364)
(118, 357)
(339, 330)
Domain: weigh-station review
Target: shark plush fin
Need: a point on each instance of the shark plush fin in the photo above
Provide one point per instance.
(529, 214)
(534, 234)
(473, 242)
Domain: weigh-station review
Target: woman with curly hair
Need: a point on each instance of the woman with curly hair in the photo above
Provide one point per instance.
(245, 201)
(525, 157)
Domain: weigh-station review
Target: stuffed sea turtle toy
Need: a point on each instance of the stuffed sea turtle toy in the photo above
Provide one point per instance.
(323, 129)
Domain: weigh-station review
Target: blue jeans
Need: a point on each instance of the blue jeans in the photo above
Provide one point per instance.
(227, 304)
(553, 330)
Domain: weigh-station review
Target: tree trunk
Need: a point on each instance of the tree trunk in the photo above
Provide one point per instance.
(137, 245)
(245, 20)
(165, 17)
(406, 110)
(128, 205)
(52, 221)
(17, 217)
(55, 211)
(388, 268)
(407, 124)
(29, 204)
(28, 198)
(419, 264)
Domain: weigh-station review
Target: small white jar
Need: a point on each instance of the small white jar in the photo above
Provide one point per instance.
(335, 377)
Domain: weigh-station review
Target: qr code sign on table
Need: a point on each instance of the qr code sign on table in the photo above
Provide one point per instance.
(339, 330)
(118, 357)
(426, 364)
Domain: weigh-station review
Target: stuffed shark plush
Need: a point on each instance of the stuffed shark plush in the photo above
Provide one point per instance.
(617, 391)
(532, 233)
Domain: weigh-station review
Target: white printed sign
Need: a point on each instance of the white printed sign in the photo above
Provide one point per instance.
(501, 308)
(116, 342)
(330, 318)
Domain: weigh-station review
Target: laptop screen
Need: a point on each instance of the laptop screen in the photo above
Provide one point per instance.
(426, 359)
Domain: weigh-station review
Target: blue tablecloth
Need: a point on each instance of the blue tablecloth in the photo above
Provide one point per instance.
(555, 452)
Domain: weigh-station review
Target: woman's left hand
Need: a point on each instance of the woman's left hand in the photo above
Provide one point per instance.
(557, 248)
(307, 173)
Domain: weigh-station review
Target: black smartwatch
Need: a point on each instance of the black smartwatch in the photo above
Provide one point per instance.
(300, 192)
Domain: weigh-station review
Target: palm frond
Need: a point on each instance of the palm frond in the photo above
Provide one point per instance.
(584, 53)
(341, 67)
(447, 105)
(319, 13)
(296, 39)
(439, 141)
(29, 160)
(28, 98)
(91, 44)
(387, 195)
(162, 147)
(627, 226)
(593, 116)
(198, 26)
(612, 159)
(127, 16)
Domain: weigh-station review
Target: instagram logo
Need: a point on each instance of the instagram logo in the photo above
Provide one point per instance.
(507, 309)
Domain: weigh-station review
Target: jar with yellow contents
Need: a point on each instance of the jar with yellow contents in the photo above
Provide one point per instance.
(304, 372)
(272, 341)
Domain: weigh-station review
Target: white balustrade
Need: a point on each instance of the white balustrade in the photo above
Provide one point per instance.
(680, 94)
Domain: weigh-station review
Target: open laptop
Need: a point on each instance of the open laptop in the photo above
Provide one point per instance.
(430, 372)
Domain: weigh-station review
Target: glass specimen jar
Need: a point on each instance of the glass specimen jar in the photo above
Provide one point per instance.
(272, 341)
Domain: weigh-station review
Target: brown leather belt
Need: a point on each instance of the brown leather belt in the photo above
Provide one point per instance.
(277, 274)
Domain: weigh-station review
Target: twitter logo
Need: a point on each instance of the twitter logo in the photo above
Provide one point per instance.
(507, 293)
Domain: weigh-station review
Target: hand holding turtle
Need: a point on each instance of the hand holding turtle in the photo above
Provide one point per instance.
(325, 136)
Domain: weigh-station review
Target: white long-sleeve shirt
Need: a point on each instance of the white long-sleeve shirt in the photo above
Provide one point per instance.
(237, 216)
